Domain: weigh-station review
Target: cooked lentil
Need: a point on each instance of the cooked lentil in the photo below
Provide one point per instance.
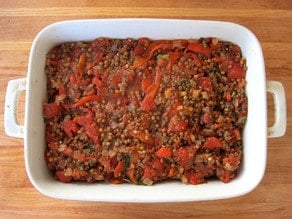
(142, 111)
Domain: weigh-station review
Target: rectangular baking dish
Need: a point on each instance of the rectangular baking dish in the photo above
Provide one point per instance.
(254, 137)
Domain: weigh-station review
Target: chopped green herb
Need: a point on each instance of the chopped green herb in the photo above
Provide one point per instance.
(164, 56)
(204, 43)
(127, 158)
(242, 120)
(141, 183)
(192, 102)
(89, 149)
(239, 143)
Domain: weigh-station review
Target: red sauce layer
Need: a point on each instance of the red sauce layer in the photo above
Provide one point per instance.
(143, 111)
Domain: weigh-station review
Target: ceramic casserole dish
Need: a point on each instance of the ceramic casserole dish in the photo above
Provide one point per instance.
(255, 133)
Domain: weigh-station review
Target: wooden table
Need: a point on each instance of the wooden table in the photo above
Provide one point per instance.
(270, 20)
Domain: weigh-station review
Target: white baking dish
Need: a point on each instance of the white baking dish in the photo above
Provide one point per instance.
(255, 134)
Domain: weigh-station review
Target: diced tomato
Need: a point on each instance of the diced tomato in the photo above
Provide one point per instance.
(51, 110)
(231, 162)
(92, 132)
(205, 167)
(62, 177)
(158, 166)
(205, 83)
(226, 64)
(153, 169)
(236, 71)
(141, 46)
(177, 126)
(149, 172)
(85, 118)
(212, 143)
(90, 127)
(224, 175)
(53, 145)
(69, 127)
(195, 177)
(164, 152)
(233, 69)
(185, 156)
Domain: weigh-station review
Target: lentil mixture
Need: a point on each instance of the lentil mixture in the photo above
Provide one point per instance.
(142, 111)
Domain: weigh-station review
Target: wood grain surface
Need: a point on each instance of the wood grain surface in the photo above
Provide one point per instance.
(270, 20)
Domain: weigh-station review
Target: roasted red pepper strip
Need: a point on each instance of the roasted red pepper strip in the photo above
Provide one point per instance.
(173, 56)
(148, 102)
(86, 99)
(143, 137)
(199, 48)
(119, 168)
(139, 61)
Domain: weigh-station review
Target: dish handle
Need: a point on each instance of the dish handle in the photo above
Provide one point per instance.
(16, 86)
(12, 127)
(278, 129)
